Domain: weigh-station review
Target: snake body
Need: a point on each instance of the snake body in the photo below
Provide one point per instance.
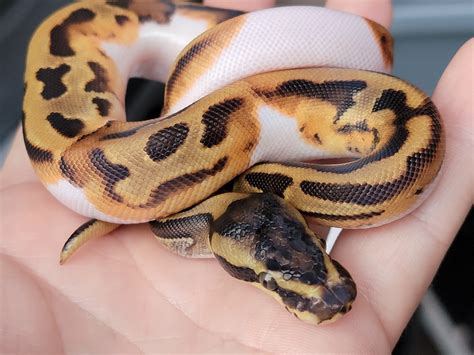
(249, 98)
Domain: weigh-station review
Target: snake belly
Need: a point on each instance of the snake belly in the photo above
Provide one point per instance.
(248, 98)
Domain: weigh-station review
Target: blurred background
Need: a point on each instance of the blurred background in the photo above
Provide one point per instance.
(427, 34)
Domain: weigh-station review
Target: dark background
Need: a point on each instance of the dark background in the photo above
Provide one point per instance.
(427, 34)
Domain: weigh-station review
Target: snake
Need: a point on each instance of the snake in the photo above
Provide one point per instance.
(234, 166)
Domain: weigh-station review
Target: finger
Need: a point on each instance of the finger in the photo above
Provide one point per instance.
(393, 265)
(244, 5)
(376, 10)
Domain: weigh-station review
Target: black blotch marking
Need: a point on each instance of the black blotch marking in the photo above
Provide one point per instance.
(166, 142)
(124, 4)
(83, 227)
(67, 127)
(376, 139)
(282, 243)
(121, 19)
(184, 227)
(35, 153)
(52, 80)
(215, 120)
(339, 93)
(183, 63)
(360, 126)
(359, 194)
(317, 138)
(59, 37)
(183, 182)
(103, 106)
(372, 194)
(100, 81)
(274, 183)
(249, 146)
(68, 172)
(239, 272)
(102, 53)
(419, 191)
(126, 133)
(340, 217)
(110, 173)
(367, 194)
(395, 101)
(119, 135)
(77, 233)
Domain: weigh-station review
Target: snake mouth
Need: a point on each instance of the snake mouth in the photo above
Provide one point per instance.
(336, 300)
(339, 297)
(316, 303)
(333, 302)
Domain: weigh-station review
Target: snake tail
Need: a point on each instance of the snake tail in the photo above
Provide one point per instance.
(89, 230)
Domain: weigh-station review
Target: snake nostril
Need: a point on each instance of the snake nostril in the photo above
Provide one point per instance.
(267, 281)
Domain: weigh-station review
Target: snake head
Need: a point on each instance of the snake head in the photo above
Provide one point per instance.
(300, 275)
(312, 302)
(264, 240)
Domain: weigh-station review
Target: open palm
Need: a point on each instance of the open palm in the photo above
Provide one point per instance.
(125, 293)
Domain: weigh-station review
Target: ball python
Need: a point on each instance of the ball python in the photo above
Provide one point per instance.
(249, 99)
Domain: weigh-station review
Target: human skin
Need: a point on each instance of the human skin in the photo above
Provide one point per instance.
(126, 293)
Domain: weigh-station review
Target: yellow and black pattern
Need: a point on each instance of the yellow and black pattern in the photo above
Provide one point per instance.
(132, 172)
(397, 136)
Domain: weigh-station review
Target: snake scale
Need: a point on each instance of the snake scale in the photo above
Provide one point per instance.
(249, 99)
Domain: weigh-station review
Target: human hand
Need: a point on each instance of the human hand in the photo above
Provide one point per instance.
(125, 293)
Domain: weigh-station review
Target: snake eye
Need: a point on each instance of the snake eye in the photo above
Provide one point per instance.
(267, 281)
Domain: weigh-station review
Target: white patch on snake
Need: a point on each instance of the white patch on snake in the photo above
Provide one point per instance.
(155, 49)
(290, 37)
(280, 139)
(75, 199)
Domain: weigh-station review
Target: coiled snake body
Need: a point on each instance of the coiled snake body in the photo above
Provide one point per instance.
(251, 98)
